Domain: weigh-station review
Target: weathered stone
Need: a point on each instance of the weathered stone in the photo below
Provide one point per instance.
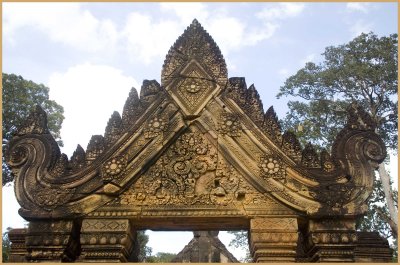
(196, 153)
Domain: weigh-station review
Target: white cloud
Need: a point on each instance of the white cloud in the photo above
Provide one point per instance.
(147, 39)
(281, 11)
(66, 23)
(358, 7)
(89, 94)
(361, 26)
(186, 12)
(142, 37)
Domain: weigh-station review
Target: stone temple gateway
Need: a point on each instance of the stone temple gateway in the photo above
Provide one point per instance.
(197, 152)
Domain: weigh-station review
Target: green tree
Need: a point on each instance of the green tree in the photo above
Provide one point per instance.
(161, 257)
(240, 240)
(143, 251)
(363, 71)
(6, 246)
(20, 96)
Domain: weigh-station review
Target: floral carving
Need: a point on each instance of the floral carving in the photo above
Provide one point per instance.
(113, 167)
(272, 167)
(50, 198)
(194, 87)
(154, 127)
(229, 124)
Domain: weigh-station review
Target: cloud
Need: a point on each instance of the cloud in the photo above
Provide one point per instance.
(143, 37)
(358, 7)
(281, 11)
(66, 23)
(361, 26)
(186, 12)
(147, 39)
(89, 94)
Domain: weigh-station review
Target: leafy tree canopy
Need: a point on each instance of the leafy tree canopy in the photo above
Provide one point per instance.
(20, 96)
(161, 257)
(363, 71)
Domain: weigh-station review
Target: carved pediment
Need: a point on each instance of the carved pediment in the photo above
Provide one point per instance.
(199, 142)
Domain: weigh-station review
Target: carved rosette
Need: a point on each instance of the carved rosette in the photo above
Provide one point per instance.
(229, 124)
(113, 168)
(154, 127)
(272, 167)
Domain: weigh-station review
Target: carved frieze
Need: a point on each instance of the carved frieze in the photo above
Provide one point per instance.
(199, 145)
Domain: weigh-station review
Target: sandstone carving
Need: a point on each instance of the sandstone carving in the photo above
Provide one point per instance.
(195, 152)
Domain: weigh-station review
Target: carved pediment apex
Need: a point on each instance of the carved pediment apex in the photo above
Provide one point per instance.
(358, 118)
(291, 146)
(194, 43)
(149, 88)
(254, 106)
(131, 107)
(310, 157)
(36, 123)
(237, 85)
(272, 127)
(78, 157)
(114, 128)
(95, 147)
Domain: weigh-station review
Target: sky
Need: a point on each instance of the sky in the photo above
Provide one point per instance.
(91, 54)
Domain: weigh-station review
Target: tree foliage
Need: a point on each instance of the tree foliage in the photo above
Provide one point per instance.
(363, 71)
(20, 96)
(6, 246)
(143, 252)
(161, 257)
(240, 240)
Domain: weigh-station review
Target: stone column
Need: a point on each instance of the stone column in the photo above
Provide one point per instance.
(52, 241)
(18, 247)
(106, 240)
(273, 239)
(331, 240)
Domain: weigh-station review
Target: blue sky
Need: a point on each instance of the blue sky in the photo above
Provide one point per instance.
(91, 54)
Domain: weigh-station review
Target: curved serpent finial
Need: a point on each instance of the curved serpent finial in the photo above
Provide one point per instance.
(357, 152)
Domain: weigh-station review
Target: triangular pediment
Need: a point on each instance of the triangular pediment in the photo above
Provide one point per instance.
(198, 143)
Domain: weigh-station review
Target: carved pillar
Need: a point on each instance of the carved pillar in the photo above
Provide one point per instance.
(106, 240)
(273, 239)
(52, 241)
(18, 248)
(331, 240)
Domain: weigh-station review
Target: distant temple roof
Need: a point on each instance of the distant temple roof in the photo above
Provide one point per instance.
(205, 247)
